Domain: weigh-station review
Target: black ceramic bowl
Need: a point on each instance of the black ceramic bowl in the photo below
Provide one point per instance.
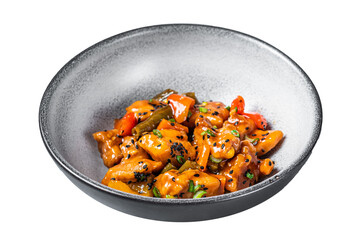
(94, 88)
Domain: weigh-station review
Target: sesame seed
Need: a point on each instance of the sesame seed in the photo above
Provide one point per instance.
(128, 155)
(173, 179)
(172, 124)
(145, 166)
(127, 146)
(196, 175)
(230, 180)
(247, 128)
(112, 179)
(215, 144)
(270, 163)
(222, 145)
(132, 141)
(201, 167)
(230, 172)
(247, 160)
(159, 145)
(244, 182)
(227, 140)
(262, 150)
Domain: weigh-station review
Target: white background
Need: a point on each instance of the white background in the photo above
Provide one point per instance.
(38, 38)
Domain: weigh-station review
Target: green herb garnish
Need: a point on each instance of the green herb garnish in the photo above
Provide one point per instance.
(191, 186)
(180, 159)
(156, 192)
(171, 120)
(189, 114)
(203, 109)
(228, 108)
(199, 194)
(215, 160)
(157, 133)
(253, 141)
(249, 175)
(235, 133)
(209, 132)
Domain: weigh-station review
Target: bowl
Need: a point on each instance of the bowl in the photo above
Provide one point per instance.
(94, 88)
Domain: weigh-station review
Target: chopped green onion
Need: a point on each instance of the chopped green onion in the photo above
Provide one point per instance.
(180, 159)
(208, 132)
(199, 194)
(156, 192)
(189, 114)
(150, 100)
(171, 120)
(197, 187)
(215, 127)
(203, 109)
(157, 133)
(253, 141)
(236, 109)
(170, 196)
(235, 133)
(249, 175)
(215, 160)
(228, 108)
(204, 103)
(191, 186)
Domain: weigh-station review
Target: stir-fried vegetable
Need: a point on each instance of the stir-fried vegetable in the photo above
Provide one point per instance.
(173, 146)
(126, 124)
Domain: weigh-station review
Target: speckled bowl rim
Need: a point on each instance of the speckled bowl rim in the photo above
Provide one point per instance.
(57, 79)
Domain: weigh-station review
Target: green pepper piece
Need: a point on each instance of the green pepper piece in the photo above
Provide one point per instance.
(168, 167)
(153, 121)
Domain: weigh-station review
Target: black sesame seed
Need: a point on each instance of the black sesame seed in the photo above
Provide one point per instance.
(227, 140)
(215, 144)
(244, 182)
(201, 116)
(140, 141)
(128, 155)
(201, 167)
(172, 124)
(132, 141)
(230, 172)
(112, 179)
(258, 161)
(127, 146)
(230, 180)
(173, 179)
(159, 145)
(222, 145)
(270, 163)
(247, 160)
(196, 175)
(205, 188)
(247, 128)
(273, 162)
(136, 146)
(145, 166)
(253, 135)
(119, 136)
(202, 186)
(236, 123)
(262, 150)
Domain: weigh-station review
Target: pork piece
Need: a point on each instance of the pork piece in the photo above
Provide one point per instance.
(243, 124)
(221, 142)
(215, 112)
(170, 146)
(108, 145)
(265, 141)
(173, 184)
(130, 149)
(243, 170)
(135, 169)
(143, 188)
(144, 109)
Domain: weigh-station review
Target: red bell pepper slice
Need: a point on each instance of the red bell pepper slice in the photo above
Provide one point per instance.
(180, 106)
(239, 104)
(126, 124)
(258, 119)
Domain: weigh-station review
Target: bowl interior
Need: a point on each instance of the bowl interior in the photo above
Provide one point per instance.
(218, 64)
